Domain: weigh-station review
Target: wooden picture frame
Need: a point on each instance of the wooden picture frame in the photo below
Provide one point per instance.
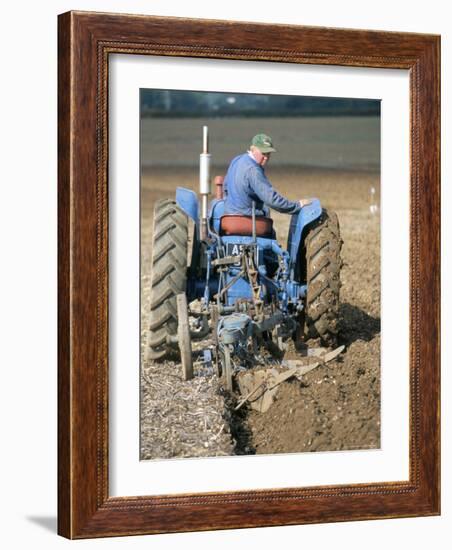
(85, 42)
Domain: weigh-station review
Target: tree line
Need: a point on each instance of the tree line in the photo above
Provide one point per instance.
(178, 103)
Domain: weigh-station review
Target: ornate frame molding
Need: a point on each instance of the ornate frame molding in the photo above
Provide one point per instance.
(85, 42)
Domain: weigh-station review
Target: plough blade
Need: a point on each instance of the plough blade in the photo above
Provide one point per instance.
(259, 388)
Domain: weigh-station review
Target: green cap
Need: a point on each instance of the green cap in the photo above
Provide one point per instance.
(263, 143)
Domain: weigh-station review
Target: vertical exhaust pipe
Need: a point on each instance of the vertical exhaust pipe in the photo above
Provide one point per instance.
(204, 180)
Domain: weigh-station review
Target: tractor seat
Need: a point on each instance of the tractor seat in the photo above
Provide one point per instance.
(243, 226)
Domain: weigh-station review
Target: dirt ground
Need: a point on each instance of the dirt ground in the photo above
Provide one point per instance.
(334, 407)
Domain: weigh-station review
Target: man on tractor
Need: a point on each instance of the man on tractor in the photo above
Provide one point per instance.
(295, 288)
(246, 182)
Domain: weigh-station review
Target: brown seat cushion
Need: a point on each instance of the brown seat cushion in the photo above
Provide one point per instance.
(243, 226)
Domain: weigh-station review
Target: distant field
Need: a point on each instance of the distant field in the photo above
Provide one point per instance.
(351, 143)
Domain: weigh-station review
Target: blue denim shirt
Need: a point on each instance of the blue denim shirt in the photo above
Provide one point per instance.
(246, 182)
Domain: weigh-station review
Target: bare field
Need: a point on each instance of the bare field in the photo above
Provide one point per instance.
(327, 142)
(337, 406)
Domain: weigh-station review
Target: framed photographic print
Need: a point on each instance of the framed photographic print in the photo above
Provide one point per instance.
(248, 275)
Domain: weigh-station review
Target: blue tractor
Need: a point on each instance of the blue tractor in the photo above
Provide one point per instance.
(236, 284)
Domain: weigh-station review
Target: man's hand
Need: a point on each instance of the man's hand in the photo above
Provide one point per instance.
(304, 202)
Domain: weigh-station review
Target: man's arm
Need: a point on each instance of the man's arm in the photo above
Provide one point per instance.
(269, 196)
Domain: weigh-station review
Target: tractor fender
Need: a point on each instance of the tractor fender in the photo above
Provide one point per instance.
(188, 201)
(216, 211)
(298, 223)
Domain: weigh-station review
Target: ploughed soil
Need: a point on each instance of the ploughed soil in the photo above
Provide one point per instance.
(333, 407)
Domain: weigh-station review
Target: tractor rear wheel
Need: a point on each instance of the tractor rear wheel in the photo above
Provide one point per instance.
(168, 278)
(323, 264)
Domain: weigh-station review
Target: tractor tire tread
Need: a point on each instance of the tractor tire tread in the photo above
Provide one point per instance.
(169, 278)
(323, 248)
